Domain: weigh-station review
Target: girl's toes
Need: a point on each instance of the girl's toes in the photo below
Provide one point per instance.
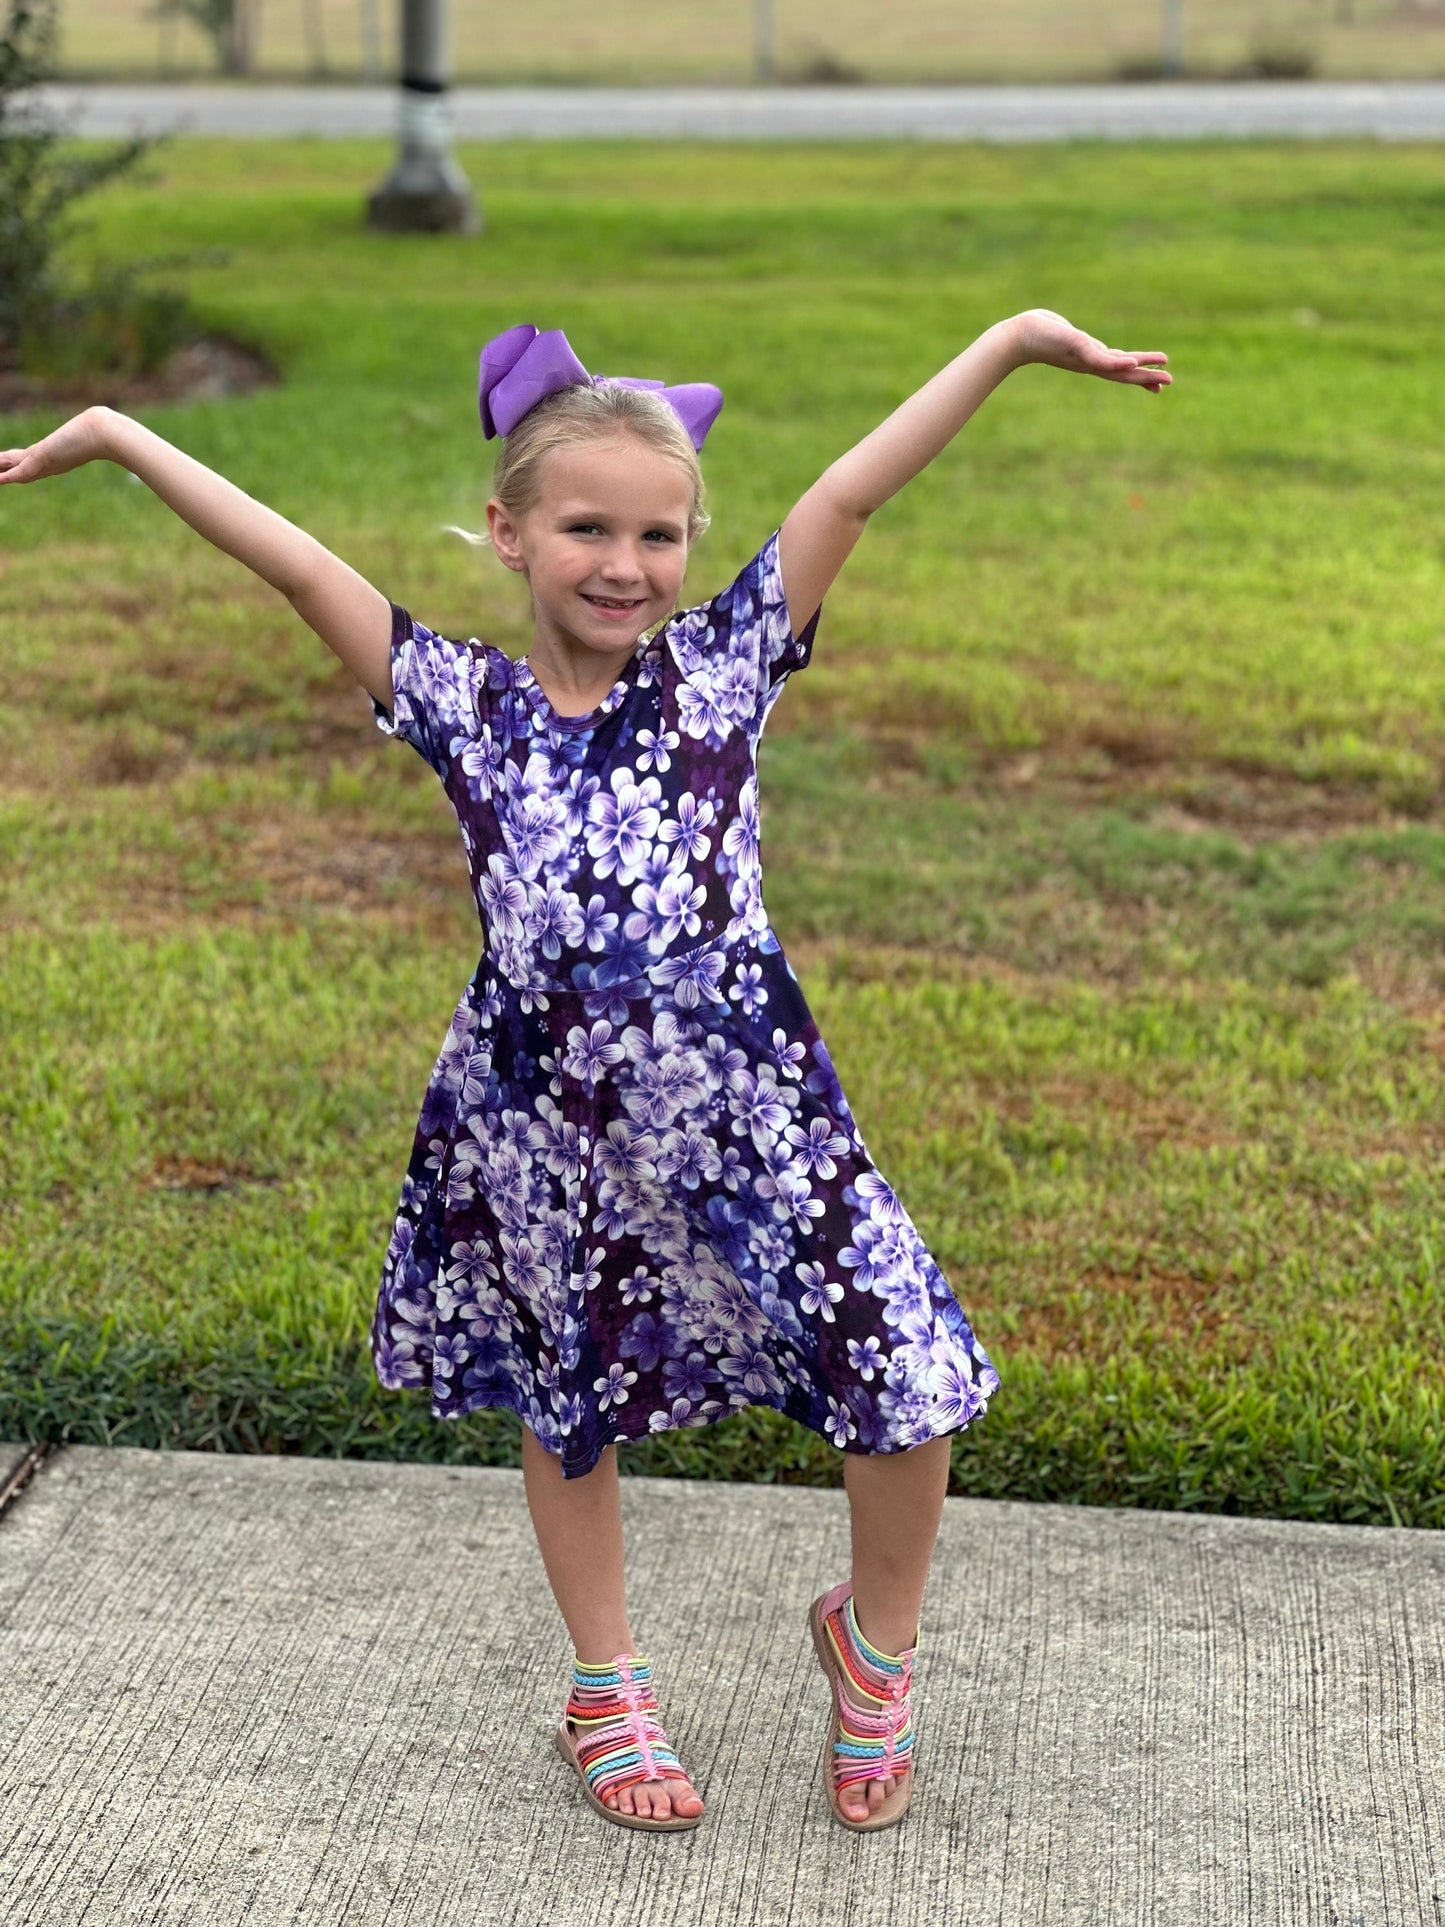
(875, 1795)
(854, 1802)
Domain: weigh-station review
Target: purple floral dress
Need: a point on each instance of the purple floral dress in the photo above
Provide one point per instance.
(637, 1198)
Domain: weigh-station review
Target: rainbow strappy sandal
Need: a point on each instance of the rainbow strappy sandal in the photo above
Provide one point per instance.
(619, 1741)
(863, 1745)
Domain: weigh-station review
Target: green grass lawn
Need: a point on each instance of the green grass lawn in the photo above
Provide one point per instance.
(1107, 830)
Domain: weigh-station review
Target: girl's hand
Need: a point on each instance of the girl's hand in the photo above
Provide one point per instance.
(1045, 336)
(72, 445)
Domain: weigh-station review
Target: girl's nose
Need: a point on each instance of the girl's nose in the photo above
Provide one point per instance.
(621, 563)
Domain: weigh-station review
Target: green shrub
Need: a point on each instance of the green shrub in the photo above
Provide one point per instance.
(115, 325)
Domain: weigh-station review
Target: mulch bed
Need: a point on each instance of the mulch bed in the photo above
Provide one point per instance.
(206, 369)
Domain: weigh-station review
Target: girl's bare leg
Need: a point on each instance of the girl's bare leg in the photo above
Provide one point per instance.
(579, 1532)
(896, 1502)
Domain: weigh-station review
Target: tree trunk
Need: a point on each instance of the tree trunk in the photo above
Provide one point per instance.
(240, 39)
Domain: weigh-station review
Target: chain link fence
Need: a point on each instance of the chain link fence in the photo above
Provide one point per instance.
(604, 42)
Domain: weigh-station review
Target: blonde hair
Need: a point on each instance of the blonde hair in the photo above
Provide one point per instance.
(602, 411)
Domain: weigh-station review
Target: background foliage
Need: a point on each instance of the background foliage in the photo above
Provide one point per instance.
(591, 42)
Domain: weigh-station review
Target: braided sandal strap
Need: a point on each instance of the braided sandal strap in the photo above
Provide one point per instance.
(876, 1739)
(620, 1741)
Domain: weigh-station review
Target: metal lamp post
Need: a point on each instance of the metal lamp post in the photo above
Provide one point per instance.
(426, 191)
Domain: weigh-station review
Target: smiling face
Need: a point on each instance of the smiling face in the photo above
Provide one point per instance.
(603, 547)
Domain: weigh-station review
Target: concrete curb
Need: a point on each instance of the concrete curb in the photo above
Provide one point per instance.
(1252, 110)
(273, 1691)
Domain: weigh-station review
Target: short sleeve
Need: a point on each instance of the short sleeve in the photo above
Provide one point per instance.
(736, 651)
(438, 691)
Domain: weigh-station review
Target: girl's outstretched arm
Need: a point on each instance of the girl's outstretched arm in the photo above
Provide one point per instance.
(820, 531)
(351, 617)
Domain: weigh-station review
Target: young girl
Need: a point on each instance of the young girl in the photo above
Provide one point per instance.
(637, 1197)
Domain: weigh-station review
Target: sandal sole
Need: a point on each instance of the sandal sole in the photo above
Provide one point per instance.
(895, 1804)
(679, 1823)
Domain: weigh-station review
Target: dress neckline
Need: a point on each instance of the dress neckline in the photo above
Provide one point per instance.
(542, 703)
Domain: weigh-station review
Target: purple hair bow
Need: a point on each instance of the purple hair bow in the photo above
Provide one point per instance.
(524, 366)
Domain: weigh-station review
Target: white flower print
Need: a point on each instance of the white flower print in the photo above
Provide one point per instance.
(590, 1276)
(742, 839)
(761, 1105)
(839, 1423)
(613, 1386)
(795, 1196)
(598, 923)
(562, 1145)
(576, 798)
(788, 1055)
(865, 1356)
(471, 1262)
(874, 1256)
(638, 1288)
(448, 1351)
(481, 761)
(820, 1293)
(722, 1060)
(536, 832)
(669, 1418)
(655, 748)
(754, 1377)
(662, 1089)
(703, 710)
(693, 978)
(688, 1377)
(668, 912)
(591, 1052)
(731, 1166)
(625, 1154)
(531, 988)
(880, 1199)
(623, 824)
(555, 920)
(959, 1396)
(749, 989)
(504, 897)
(521, 1267)
(689, 1158)
(817, 1146)
(684, 831)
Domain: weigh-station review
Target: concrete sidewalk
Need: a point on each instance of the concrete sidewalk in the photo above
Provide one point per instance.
(302, 1691)
(1175, 110)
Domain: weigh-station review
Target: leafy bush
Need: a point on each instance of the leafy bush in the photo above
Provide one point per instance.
(114, 325)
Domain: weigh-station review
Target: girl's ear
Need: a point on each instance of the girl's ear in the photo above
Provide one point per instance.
(506, 537)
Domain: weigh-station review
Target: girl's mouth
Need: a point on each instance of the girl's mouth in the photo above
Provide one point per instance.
(614, 605)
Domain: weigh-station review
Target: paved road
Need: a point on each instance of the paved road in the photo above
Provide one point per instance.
(1304, 110)
(243, 1692)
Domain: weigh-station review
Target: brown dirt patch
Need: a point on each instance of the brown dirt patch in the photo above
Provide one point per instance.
(185, 1173)
(1147, 1118)
(1101, 1308)
(206, 369)
(310, 863)
(1193, 796)
(275, 869)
